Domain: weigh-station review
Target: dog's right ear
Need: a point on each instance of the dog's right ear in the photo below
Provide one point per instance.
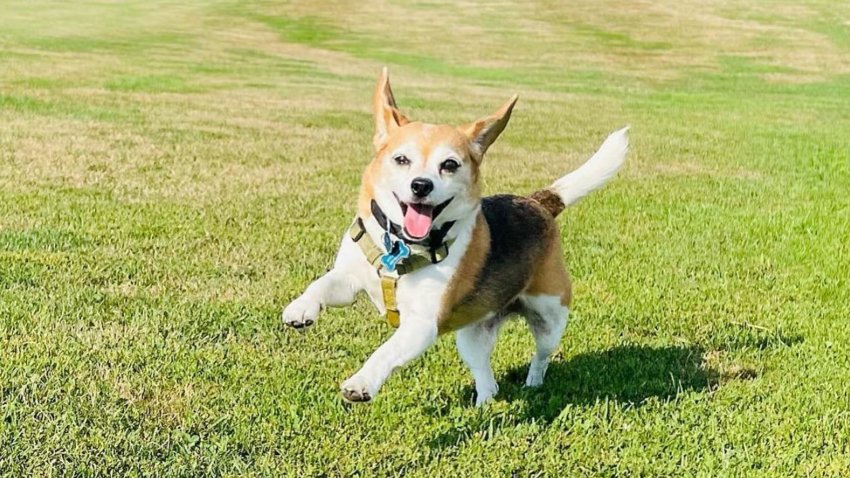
(387, 115)
(483, 132)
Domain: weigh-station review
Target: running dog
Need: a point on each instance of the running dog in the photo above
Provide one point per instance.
(434, 256)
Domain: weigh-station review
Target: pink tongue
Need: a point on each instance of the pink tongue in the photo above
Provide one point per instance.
(417, 223)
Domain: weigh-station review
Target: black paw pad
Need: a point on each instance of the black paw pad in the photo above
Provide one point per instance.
(355, 397)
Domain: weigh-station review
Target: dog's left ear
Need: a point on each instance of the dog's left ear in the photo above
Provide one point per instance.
(484, 131)
(387, 115)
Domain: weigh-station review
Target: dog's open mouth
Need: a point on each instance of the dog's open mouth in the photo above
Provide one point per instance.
(419, 217)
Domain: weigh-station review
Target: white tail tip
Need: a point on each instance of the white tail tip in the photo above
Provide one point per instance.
(594, 173)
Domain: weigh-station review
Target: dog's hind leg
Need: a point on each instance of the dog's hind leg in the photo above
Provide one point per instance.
(547, 318)
(545, 306)
(475, 344)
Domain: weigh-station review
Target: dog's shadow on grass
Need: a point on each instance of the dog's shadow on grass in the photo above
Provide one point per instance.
(628, 376)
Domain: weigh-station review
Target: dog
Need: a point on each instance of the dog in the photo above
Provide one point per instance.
(435, 257)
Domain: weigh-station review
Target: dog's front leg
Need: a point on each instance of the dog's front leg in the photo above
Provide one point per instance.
(337, 288)
(412, 338)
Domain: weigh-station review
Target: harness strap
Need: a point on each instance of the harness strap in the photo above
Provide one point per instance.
(389, 282)
(371, 250)
(388, 287)
(418, 261)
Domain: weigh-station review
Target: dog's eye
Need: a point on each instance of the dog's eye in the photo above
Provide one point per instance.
(401, 160)
(449, 166)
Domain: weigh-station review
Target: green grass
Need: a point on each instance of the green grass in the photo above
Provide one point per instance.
(172, 174)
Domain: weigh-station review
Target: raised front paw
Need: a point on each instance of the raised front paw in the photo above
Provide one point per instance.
(301, 312)
(356, 389)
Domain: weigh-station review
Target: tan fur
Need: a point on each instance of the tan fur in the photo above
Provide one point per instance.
(551, 276)
(387, 116)
(549, 200)
(463, 282)
(367, 193)
(426, 137)
(485, 130)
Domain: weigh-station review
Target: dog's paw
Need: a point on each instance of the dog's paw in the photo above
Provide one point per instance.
(302, 312)
(536, 372)
(356, 390)
(485, 393)
(534, 380)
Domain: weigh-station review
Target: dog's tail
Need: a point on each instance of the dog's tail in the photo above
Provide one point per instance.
(591, 175)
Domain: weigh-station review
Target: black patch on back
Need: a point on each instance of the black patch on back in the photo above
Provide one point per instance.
(519, 233)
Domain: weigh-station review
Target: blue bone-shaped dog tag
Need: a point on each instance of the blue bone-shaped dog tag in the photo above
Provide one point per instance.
(397, 251)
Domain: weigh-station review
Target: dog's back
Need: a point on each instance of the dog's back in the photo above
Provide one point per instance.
(523, 254)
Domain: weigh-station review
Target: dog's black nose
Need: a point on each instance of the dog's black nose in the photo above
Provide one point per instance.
(421, 187)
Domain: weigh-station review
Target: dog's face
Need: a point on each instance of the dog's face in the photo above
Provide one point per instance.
(424, 175)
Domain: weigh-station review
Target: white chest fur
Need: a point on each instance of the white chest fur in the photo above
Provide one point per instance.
(419, 294)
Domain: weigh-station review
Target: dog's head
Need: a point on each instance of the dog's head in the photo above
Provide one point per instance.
(424, 175)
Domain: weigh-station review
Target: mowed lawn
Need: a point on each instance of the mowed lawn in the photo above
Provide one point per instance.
(172, 174)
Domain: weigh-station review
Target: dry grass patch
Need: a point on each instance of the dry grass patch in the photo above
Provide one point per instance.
(727, 369)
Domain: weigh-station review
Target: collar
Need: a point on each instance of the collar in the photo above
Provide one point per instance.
(419, 257)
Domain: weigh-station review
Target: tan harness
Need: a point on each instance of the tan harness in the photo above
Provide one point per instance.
(417, 259)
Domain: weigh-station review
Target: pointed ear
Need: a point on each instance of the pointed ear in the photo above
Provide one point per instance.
(387, 115)
(484, 131)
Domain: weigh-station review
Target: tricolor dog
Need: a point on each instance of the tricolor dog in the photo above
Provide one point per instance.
(435, 256)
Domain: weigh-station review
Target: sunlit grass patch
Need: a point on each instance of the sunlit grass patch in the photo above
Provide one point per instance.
(171, 174)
